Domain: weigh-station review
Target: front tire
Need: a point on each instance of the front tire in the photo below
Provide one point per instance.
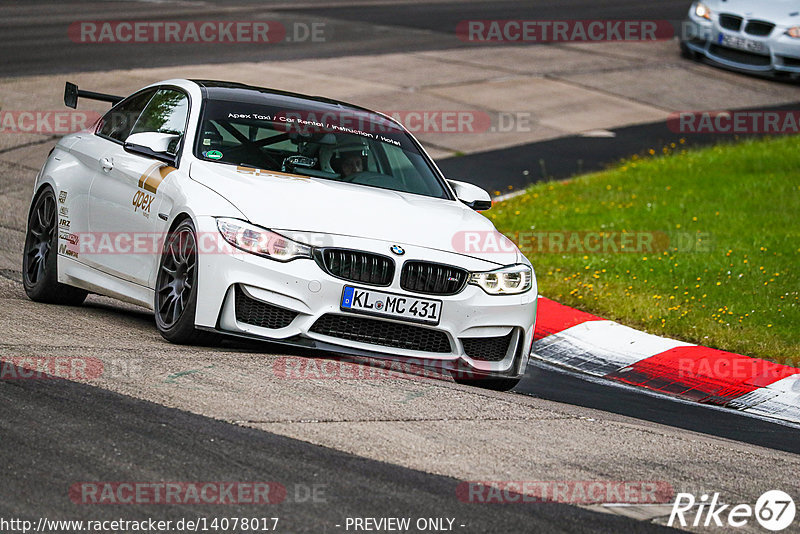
(688, 53)
(176, 289)
(40, 257)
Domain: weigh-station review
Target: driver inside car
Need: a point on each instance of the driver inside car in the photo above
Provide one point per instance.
(350, 160)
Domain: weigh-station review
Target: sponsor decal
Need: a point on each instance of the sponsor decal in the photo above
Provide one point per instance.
(774, 510)
(71, 247)
(64, 211)
(66, 251)
(62, 197)
(143, 201)
(63, 223)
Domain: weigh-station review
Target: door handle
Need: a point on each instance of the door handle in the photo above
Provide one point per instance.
(106, 164)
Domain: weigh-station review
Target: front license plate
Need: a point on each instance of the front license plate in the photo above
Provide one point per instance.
(371, 302)
(733, 41)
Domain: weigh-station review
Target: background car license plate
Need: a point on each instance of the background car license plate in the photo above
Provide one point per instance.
(741, 43)
(383, 304)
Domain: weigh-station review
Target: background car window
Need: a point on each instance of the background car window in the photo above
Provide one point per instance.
(165, 113)
(118, 123)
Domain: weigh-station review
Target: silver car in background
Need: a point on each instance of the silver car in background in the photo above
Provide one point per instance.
(757, 36)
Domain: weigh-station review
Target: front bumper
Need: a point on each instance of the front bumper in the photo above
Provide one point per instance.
(781, 55)
(307, 293)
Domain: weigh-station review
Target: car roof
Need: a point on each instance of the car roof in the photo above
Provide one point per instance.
(250, 94)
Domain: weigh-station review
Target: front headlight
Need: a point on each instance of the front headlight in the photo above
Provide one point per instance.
(261, 241)
(511, 280)
(794, 32)
(702, 10)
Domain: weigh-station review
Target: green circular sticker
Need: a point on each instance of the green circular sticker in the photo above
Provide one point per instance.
(214, 154)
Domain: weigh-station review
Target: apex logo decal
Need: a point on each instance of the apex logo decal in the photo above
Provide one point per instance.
(149, 181)
(142, 201)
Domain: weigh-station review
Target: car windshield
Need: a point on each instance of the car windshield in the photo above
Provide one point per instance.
(322, 141)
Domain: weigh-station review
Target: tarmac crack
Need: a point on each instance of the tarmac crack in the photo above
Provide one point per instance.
(476, 419)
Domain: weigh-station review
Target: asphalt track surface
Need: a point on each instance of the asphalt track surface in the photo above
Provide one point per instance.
(58, 433)
(35, 38)
(55, 433)
(564, 157)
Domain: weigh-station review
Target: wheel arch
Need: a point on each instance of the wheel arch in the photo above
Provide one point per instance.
(38, 190)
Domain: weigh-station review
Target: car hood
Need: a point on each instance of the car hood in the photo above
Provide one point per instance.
(777, 11)
(301, 204)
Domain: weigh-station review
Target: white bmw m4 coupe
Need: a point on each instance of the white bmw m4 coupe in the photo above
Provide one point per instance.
(236, 210)
(756, 36)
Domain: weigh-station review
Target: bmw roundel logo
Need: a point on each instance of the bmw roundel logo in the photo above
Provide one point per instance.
(397, 249)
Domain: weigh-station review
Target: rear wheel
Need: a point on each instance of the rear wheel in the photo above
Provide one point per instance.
(40, 258)
(176, 289)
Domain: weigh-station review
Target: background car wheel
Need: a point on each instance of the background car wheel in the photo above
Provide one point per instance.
(688, 53)
(176, 289)
(40, 257)
(495, 384)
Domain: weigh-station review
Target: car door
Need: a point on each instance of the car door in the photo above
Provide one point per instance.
(125, 193)
(89, 151)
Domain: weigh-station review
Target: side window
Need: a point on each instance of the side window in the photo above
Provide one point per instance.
(165, 113)
(117, 123)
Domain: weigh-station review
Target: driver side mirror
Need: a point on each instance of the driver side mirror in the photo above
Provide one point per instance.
(471, 195)
(153, 145)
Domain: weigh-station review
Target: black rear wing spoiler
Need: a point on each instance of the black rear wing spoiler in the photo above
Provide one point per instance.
(71, 94)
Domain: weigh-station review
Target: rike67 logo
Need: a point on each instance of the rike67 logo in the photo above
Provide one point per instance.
(774, 510)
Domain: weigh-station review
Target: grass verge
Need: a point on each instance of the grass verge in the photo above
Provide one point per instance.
(711, 243)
